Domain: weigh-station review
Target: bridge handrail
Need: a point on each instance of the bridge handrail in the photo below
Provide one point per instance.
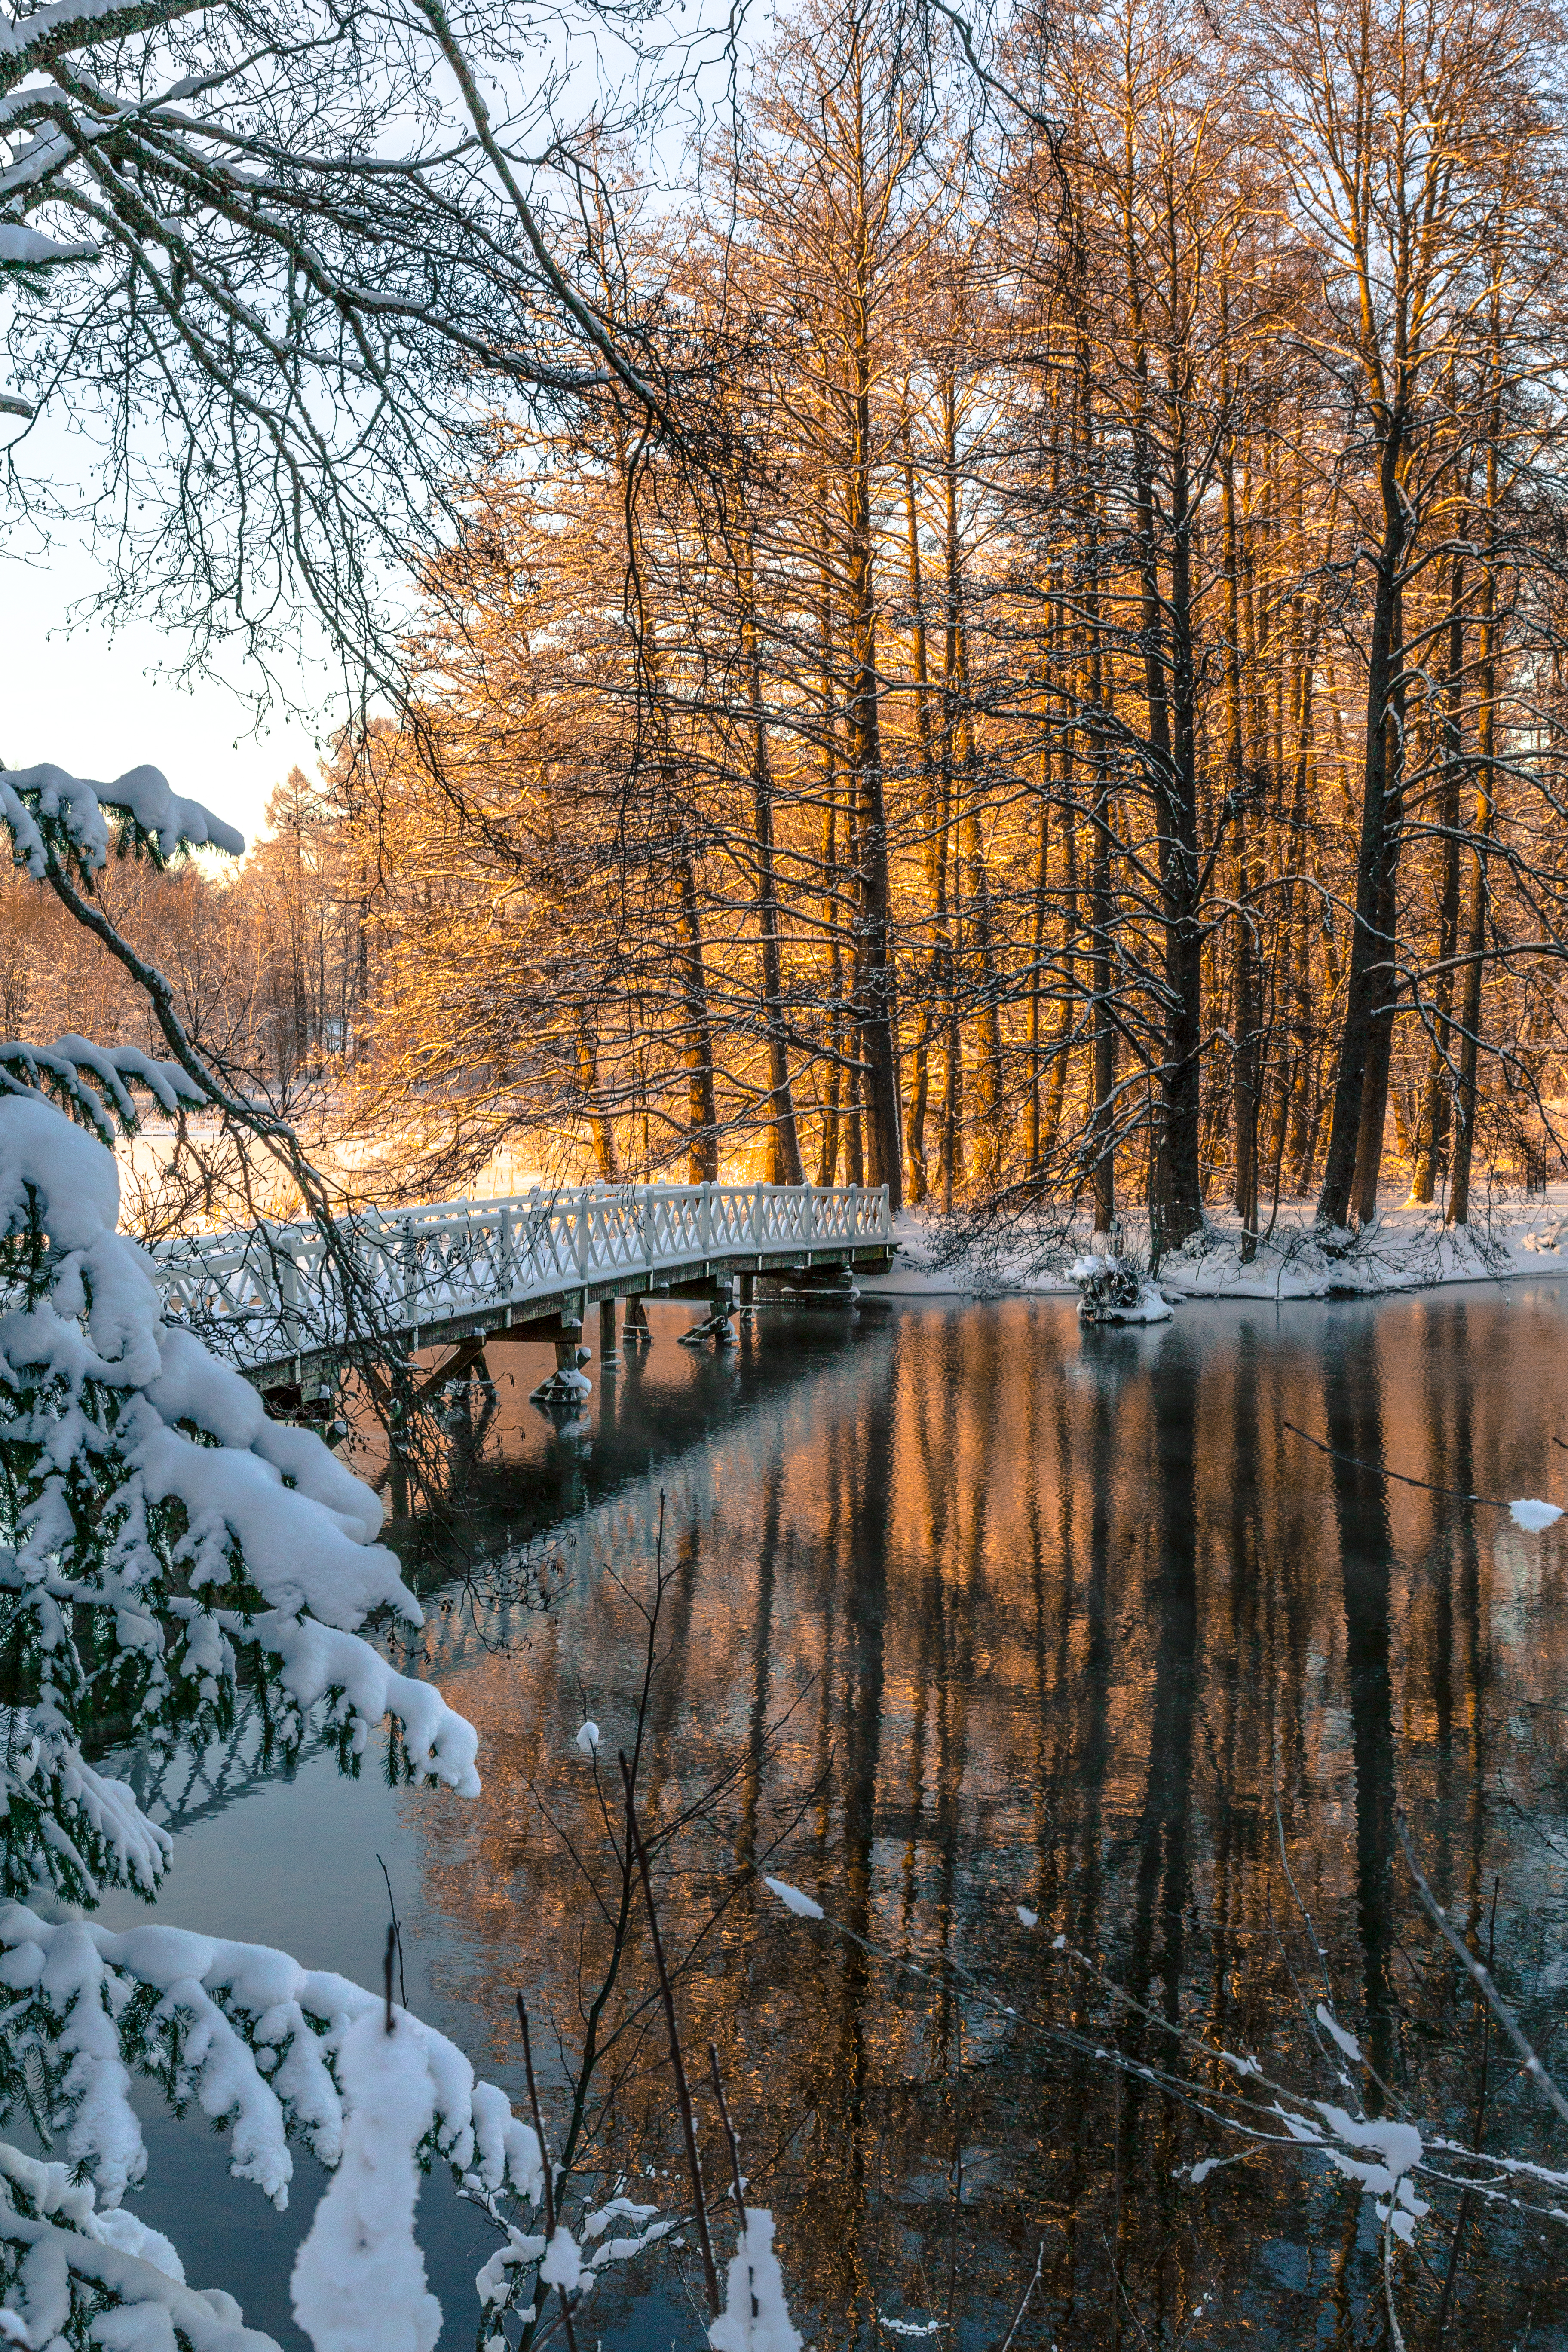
(267, 1292)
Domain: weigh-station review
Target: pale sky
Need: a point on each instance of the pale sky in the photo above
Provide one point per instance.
(90, 705)
(96, 707)
(93, 705)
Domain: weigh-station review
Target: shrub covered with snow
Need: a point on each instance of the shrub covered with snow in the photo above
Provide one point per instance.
(1113, 1289)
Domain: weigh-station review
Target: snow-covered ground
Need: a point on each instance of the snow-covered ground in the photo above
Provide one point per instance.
(1408, 1248)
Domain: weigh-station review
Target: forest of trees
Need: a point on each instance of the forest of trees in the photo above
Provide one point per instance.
(1073, 715)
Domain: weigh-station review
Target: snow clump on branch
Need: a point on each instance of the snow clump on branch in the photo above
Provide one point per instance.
(37, 802)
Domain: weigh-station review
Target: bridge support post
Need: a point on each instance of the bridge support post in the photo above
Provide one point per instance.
(748, 1298)
(399, 1432)
(834, 1285)
(609, 1361)
(716, 1325)
(635, 1328)
(568, 1385)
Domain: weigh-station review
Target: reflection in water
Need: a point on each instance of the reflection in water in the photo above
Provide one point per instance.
(978, 1611)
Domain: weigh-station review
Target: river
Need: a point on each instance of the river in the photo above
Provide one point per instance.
(968, 1612)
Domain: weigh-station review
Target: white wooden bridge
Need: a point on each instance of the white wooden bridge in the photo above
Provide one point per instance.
(286, 1302)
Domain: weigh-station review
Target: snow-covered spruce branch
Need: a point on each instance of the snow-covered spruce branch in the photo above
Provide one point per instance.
(46, 809)
(70, 2268)
(240, 2031)
(64, 829)
(93, 1082)
(266, 2050)
(155, 1527)
(147, 1499)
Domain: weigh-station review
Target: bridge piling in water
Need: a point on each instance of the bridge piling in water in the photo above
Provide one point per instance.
(637, 1324)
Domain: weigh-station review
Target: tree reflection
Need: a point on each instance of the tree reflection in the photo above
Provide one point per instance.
(1352, 1416)
(981, 1611)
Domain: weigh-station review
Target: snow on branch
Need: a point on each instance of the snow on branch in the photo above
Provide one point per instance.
(241, 2032)
(54, 1072)
(65, 2263)
(268, 2051)
(26, 249)
(755, 2317)
(45, 808)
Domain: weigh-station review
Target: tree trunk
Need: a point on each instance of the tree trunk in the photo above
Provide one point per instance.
(783, 1143)
(702, 1119)
(1360, 1082)
(875, 995)
(1176, 1193)
(1061, 1044)
(1244, 1051)
(1475, 939)
(601, 1128)
(1433, 1140)
(827, 1157)
(936, 816)
(1380, 1039)
(1036, 961)
(960, 732)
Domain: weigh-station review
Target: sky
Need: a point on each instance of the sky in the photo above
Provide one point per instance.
(95, 706)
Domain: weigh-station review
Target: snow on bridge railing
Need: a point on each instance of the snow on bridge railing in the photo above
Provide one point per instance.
(271, 1292)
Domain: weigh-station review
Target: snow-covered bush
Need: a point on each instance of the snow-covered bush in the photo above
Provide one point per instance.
(1117, 1290)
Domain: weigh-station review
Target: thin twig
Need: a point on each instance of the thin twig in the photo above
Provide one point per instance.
(543, 2160)
(1462, 2218)
(1028, 2291)
(729, 2136)
(1394, 2327)
(1479, 1975)
(678, 2064)
(398, 1932)
(735, 2173)
(1455, 1494)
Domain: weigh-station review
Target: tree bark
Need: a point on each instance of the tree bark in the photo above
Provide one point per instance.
(702, 1118)
(1360, 1082)
(1433, 1140)
(876, 991)
(783, 1143)
(1476, 925)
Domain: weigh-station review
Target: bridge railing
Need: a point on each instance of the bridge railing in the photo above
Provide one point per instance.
(273, 1291)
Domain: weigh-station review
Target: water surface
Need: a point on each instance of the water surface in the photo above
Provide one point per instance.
(968, 1610)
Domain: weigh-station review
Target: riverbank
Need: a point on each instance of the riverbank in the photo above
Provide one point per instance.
(1408, 1248)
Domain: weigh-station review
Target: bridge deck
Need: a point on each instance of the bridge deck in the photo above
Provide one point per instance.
(286, 1305)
